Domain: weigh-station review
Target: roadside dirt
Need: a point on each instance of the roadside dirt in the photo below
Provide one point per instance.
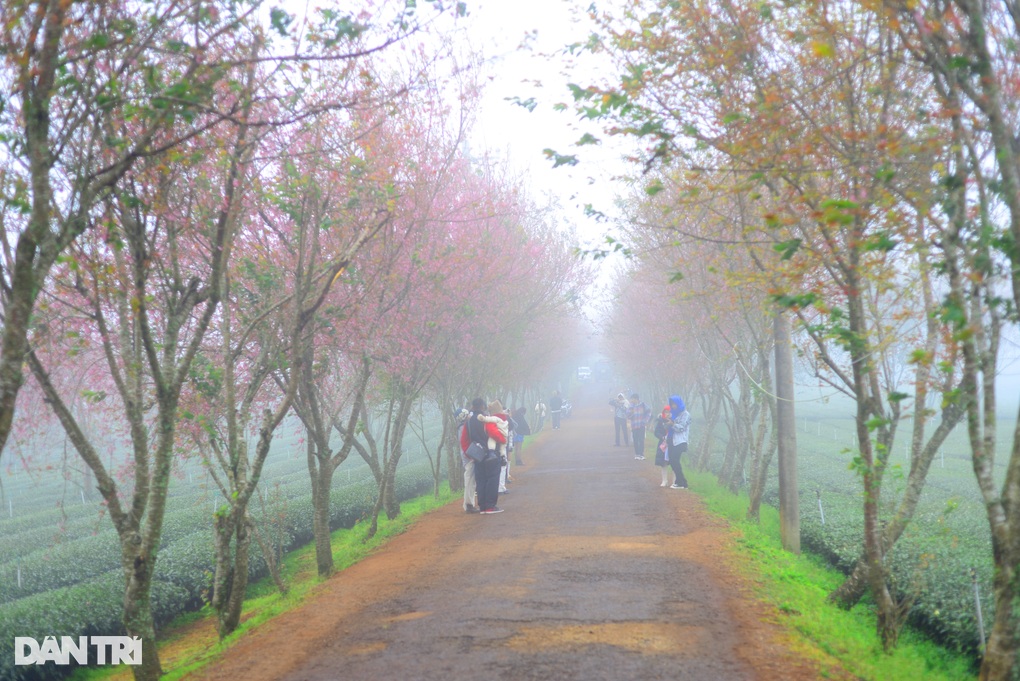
(592, 572)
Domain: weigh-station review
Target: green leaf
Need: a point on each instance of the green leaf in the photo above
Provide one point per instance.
(953, 313)
(786, 249)
(959, 62)
(530, 103)
(280, 20)
(787, 301)
(654, 188)
(885, 174)
(838, 211)
(876, 422)
(880, 242)
(97, 41)
(560, 159)
(579, 92)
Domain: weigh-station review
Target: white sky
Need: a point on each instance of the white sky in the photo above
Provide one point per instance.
(524, 42)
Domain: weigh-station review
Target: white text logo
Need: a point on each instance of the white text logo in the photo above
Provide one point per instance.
(108, 649)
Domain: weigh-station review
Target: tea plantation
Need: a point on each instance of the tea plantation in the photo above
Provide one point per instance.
(60, 562)
(946, 552)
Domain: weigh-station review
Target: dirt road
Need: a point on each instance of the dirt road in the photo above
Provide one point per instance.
(593, 572)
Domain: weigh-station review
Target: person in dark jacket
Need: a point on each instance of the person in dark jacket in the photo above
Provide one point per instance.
(487, 471)
(521, 428)
(638, 415)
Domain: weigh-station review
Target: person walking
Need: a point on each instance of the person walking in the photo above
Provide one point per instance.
(620, 406)
(638, 415)
(486, 471)
(679, 434)
(555, 409)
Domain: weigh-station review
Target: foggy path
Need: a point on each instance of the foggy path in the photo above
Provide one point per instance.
(593, 572)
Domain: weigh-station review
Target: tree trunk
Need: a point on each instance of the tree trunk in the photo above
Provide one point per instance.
(871, 466)
(705, 449)
(786, 434)
(760, 467)
(321, 483)
(272, 558)
(230, 616)
(389, 495)
(138, 614)
(735, 442)
(1002, 653)
(230, 584)
(849, 593)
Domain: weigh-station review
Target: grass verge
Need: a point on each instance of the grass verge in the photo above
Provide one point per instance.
(798, 585)
(190, 642)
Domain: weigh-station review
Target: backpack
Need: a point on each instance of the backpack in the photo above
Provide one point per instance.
(661, 429)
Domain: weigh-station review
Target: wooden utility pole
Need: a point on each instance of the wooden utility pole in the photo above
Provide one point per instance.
(786, 430)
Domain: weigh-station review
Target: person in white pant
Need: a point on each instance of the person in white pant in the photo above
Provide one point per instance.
(470, 484)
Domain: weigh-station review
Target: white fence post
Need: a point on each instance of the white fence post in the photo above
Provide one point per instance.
(977, 605)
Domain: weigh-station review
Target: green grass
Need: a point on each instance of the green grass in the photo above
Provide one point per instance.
(197, 648)
(798, 585)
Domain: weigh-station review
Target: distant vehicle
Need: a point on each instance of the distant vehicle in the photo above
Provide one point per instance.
(583, 373)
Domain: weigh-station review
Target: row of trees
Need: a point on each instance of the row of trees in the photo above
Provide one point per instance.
(853, 165)
(214, 218)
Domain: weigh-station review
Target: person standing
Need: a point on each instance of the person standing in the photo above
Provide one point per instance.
(679, 434)
(555, 408)
(638, 415)
(662, 426)
(486, 471)
(620, 406)
(470, 484)
(521, 428)
(540, 412)
(500, 420)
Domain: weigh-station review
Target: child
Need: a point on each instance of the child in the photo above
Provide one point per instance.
(497, 428)
(662, 428)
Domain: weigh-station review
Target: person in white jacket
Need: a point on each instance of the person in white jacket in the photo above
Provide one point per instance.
(679, 434)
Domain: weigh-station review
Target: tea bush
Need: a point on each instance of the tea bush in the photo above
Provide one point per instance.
(85, 598)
